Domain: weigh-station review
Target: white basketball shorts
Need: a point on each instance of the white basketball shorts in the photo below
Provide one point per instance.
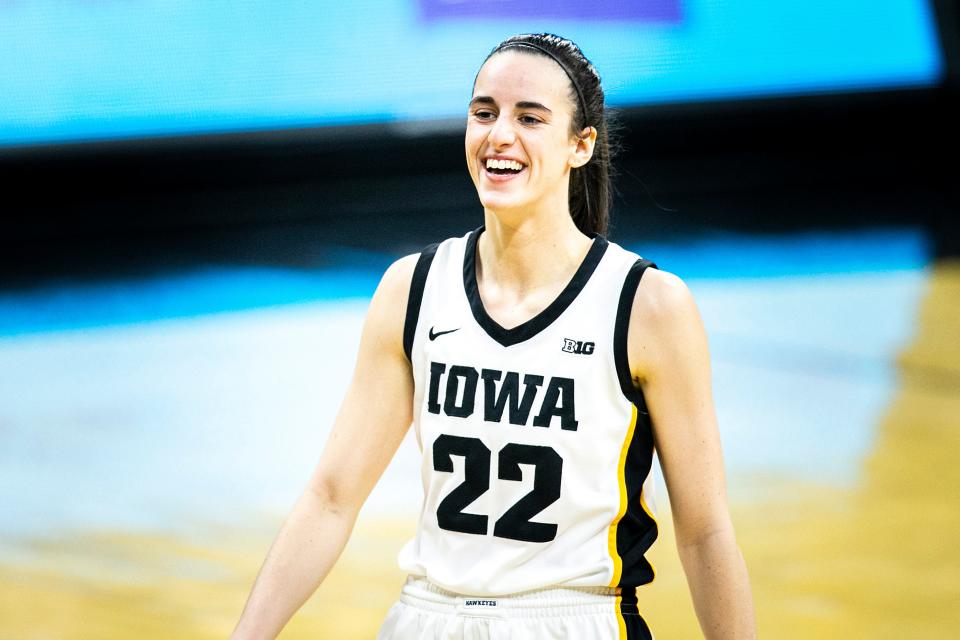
(427, 612)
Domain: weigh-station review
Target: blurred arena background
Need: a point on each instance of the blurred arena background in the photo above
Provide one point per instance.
(199, 199)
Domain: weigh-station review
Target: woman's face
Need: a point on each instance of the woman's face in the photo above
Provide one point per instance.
(521, 114)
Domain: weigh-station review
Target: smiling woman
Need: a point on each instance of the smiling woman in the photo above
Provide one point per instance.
(540, 366)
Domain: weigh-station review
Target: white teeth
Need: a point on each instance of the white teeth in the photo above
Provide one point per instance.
(504, 164)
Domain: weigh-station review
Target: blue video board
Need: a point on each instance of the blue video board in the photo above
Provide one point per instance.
(76, 70)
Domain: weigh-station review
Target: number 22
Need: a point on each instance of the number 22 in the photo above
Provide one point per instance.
(515, 522)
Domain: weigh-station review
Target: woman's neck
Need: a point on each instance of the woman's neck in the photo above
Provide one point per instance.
(538, 252)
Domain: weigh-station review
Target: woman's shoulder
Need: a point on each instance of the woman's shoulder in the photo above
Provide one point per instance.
(400, 271)
(661, 296)
(387, 311)
(394, 287)
(664, 321)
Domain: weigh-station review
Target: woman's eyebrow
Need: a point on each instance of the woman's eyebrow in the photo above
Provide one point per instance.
(523, 104)
(482, 100)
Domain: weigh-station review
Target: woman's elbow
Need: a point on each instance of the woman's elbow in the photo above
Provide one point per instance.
(333, 495)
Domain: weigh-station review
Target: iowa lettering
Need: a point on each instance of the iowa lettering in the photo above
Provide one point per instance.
(501, 394)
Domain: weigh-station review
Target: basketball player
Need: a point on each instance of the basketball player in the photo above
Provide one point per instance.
(540, 365)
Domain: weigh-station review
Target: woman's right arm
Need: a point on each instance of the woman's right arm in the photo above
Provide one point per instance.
(371, 423)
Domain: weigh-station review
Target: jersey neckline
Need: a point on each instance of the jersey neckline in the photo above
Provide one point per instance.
(542, 320)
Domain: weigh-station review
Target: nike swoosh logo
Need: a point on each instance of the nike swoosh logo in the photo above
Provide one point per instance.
(433, 336)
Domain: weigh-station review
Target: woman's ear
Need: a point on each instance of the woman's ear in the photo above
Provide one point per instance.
(583, 151)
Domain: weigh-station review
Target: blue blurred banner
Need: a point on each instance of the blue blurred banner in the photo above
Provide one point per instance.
(79, 71)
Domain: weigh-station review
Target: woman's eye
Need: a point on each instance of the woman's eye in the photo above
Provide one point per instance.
(529, 120)
(483, 115)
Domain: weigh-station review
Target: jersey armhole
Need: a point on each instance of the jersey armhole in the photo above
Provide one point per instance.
(417, 284)
(620, 355)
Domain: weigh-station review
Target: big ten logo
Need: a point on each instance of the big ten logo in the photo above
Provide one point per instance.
(577, 346)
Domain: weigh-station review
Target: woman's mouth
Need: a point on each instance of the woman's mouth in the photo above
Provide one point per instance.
(500, 170)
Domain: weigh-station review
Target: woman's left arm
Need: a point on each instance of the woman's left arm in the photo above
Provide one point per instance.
(670, 362)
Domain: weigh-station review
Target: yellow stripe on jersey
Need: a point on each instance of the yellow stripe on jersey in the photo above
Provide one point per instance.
(612, 535)
(621, 623)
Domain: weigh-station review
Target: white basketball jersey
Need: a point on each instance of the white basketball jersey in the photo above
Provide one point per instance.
(536, 445)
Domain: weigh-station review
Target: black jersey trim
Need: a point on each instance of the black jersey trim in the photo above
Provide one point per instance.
(621, 361)
(636, 626)
(636, 531)
(536, 324)
(417, 284)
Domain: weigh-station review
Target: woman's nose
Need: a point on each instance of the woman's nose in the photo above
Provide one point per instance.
(502, 133)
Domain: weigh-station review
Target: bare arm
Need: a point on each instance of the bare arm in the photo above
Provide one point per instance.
(374, 416)
(670, 361)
